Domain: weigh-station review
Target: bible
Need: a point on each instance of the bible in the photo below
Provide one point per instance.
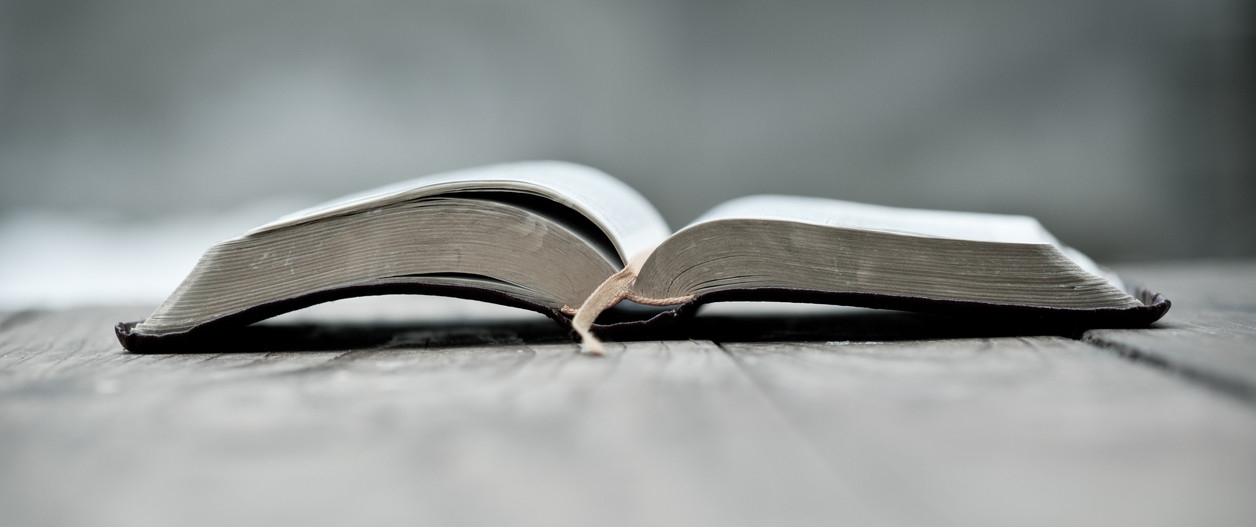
(571, 242)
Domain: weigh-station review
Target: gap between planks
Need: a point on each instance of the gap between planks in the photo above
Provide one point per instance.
(1219, 383)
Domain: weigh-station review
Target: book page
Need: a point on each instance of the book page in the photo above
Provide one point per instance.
(630, 221)
(974, 226)
(913, 222)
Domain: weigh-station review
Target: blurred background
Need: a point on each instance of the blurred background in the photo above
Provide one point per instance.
(135, 133)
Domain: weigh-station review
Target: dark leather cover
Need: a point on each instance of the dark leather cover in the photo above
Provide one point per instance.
(1154, 306)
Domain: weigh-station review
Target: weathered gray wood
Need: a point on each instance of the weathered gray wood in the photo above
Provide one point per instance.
(412, 410)
(1210, 333)
(1041, 431)
(412, 430)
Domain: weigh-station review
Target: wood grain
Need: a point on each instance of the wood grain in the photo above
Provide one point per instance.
(1033, 431)
(1209, 335)
(434, 411)
(412, 430)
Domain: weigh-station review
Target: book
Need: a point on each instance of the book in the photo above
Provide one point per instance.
(571, 242)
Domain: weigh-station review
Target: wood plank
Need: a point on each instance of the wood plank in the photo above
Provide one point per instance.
(1027, 431)
(1209, 335)
(427, 410)
(480, 428)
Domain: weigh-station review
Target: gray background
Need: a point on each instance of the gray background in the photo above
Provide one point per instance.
(1126, 127)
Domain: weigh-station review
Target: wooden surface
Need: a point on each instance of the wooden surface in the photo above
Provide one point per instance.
(442, 412)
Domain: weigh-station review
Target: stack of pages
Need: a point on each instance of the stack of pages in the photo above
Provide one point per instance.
(570, 241)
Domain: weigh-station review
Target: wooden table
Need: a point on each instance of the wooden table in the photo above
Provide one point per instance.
(452, 418)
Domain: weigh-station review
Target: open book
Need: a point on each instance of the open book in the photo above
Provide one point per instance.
(570, 242)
